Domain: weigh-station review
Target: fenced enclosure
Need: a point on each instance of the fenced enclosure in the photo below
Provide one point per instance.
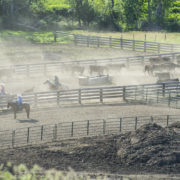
(126, 44)
(167, 94)
(44, 68)
(66, 130)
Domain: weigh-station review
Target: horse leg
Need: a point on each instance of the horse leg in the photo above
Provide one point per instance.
(28, 112)
(14, 114)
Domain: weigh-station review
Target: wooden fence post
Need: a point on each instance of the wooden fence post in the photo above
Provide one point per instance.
(104, 126)
(135, 93)
(144, 46)
(136, 121)
(101, 95)
(87, 41)
(27, 70)
(133, 45)
(28, 135)
(55, 132)
(110, 41)
(87, 127)
(98, 42)
(42, 128)
(151, 120)
(58, 97)
(13, 138)
(121, 42)
(167, 123)
(146, 94)
(120, 125)
(163, 89)
(35, 99)
(75, 40)
(157, 96)
(169, 100)
(72, 129)
(159, 48)
(79, 96)
(45, 69)
(124, 93)
(55, 36)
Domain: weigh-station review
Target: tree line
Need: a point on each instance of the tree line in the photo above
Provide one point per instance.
(118, 15)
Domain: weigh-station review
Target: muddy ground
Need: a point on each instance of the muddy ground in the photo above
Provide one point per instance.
(150, 149)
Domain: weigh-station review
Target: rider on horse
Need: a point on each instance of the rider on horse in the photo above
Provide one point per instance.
(56, 81)
(3, 89)
(19, 101)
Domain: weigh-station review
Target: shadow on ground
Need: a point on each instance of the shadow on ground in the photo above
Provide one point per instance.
(28, 121)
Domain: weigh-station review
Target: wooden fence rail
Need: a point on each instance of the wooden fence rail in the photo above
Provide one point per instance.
(65, 130)
(30, 69)
(126, 44)
(163, 93)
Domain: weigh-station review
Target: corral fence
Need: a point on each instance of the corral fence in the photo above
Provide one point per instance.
(125, 44)
(31, 69)
(65, 130)
(163, 94)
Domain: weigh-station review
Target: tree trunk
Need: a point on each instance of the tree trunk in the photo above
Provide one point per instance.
(149, 12)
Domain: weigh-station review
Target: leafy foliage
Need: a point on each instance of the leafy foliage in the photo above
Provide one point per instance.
(111, 14)
(21, 172)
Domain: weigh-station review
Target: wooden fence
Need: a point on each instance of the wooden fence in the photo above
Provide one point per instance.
(65, 130)
(126, 44)
(162, 94)
(30, 69)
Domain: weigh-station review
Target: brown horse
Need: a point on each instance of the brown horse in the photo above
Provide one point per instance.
(15, 107)
(53, 86)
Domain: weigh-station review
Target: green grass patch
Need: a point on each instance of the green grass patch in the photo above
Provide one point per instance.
(36, 37)
(48, 37)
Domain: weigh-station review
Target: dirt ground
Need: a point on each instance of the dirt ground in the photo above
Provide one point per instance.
(69, 114)
(23, 52)
(150, 149)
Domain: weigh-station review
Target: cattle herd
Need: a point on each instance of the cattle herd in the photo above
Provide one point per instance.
(160, 67)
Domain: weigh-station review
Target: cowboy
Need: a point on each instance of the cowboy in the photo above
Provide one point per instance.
(19, 101)
(56, 81)
(3, 89)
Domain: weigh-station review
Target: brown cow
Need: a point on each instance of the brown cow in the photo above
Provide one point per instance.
(97, 69)
(116, 67)
(159, 60)
(148, 68)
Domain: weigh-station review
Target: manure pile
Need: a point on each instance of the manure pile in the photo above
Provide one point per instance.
(149, 149)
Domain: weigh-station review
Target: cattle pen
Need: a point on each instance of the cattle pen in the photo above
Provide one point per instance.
(167, 94)
(66, 130)
(45, 68)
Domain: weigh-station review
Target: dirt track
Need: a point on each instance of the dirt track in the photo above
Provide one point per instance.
(57, 115)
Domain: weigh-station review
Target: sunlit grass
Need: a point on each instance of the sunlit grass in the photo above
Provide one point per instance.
(48, 37)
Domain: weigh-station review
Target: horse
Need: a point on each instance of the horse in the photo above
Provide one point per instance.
(53, 86)
(15, 107)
